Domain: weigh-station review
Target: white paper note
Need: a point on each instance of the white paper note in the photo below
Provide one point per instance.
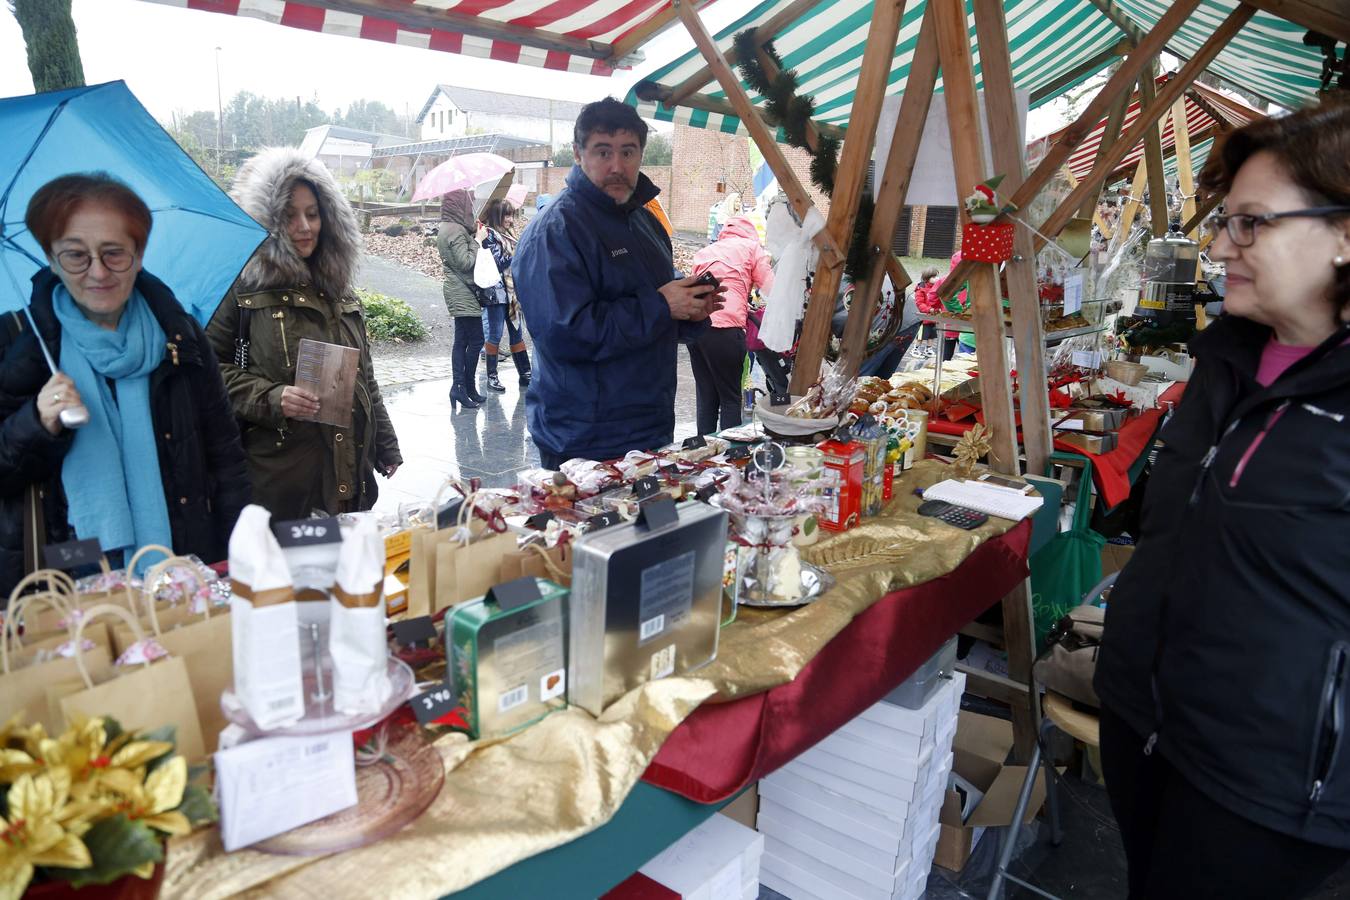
(272, 785)
(1073, 293)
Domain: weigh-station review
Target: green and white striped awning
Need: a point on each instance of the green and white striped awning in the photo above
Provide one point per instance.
(1048, 39)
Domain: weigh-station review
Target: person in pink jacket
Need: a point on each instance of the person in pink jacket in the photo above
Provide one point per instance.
(739, 263)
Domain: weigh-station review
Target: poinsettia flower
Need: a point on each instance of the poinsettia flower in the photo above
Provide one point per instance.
(32, 834)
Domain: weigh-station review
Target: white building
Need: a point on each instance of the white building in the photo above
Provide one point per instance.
(452, 112)
(345, 150)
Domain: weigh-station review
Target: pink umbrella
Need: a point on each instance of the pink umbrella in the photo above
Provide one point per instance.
(462, 172)
(516, 195)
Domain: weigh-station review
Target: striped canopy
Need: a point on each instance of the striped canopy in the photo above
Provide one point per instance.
(1049, 40)
(1207, 113)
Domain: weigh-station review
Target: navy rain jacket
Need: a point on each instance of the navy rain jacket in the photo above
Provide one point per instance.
(587, 273)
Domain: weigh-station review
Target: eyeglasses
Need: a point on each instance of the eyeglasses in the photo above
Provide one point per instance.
(1241, 227)
(77, 262)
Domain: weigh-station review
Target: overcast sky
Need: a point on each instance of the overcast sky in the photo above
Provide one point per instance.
(167, 56)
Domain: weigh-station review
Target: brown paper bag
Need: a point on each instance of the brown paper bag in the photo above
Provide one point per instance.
(479, 565)
(23, 682)
(140, 698)
(553, 563)
(48, 622)
(422, 565)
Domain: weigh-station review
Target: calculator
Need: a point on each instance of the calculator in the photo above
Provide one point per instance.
(952, 514)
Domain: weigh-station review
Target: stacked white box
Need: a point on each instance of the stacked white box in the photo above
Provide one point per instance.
(718, 860)
(856, 816)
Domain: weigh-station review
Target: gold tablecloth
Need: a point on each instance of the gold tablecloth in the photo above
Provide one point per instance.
(567, 775)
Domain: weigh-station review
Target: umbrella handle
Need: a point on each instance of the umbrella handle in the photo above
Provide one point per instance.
(74, 417)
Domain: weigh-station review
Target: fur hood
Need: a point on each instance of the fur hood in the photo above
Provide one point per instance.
(262, 188)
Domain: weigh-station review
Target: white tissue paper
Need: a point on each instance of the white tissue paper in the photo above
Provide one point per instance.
(268, 680)
(356, 635)
(787, 297)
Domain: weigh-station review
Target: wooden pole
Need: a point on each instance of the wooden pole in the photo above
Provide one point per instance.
(1121, 81)
(1132, 205)
(1005, 132)
(1157, 176)
(895, 178)
(1115, 120)
(1181, 136)
(850, 181)
(651, 92)
(759, 132)
(963, 119)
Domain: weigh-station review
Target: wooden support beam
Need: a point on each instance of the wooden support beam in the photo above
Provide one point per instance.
(759, 132)
(1008, 146)
(1147, 117)
(1087, 67)
(1181, 135)
(1132, 205)
(1327, 16)
(772, 71)
(422, 18)
(1157, 180)
(1121, 81)
(1115, 120)
(764, 33)
(849, 183)
(963, 119)
(1206, 207)
(652, 92)
(895, 178)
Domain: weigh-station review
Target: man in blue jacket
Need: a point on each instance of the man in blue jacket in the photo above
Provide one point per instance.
(596, 279)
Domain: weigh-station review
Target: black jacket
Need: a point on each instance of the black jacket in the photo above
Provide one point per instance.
(200, 461)
(1228, 634)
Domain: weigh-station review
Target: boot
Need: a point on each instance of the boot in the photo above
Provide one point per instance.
(522, 360)
(469, 381)
(460, 397)
(493, 383)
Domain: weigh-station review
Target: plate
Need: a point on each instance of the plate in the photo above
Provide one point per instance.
(389, 794)
(320, 717)
(815, 582)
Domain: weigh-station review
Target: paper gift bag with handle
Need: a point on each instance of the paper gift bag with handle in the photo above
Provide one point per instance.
(551, 563)
(202, 642)
(477, 567)
(23, 681)
(140, 697)
(81, 600)
(46, 619)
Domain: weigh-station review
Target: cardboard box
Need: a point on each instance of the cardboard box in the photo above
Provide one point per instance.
(889, 878)
(981, 746)
(711, 862)
(744, 808)
(1143, 395)
(816, 876)
(1115, 556)
(876, 828)
(1096, 444)
(785, 887)
(1089, 421)
(864, 794)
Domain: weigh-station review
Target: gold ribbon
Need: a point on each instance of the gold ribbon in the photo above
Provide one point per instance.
(357, 601)
(260, 599)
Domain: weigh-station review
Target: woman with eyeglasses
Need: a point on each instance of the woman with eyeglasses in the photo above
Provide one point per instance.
(1224, 674)
(159, 460)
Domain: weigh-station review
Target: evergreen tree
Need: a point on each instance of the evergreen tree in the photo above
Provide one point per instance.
(53, 52)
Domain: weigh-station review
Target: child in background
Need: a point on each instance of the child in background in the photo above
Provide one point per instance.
(927, 302)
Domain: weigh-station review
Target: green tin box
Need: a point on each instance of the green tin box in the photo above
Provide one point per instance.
(508, 667)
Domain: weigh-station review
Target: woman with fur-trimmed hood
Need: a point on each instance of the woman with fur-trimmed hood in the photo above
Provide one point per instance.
(299, 285)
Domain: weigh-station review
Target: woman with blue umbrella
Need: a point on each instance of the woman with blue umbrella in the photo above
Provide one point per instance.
(159, 459)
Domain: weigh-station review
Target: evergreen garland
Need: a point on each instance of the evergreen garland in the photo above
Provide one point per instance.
(794, 113)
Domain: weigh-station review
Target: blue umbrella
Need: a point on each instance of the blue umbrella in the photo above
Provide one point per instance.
(200, 239)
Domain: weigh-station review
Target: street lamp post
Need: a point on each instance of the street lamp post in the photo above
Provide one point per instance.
(220, 113)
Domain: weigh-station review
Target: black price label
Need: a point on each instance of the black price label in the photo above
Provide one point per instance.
(706, 493)
(448, 514)
(656, 514)
(430, 706)
(539, 521)
(669, 468)
(515, 593)
(693, 443)
(411, 632)
(647, 486)
(777, 399)
(741, 452)
(72, 554)
(307, 532)
(603, 520)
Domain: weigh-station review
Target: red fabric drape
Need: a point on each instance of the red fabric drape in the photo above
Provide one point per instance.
(722, 747)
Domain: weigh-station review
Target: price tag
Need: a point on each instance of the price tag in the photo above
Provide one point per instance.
(307, 532)
(1087, 359)
(437, 703)
(603, 520)
(647, 486)
(1073, 293)
(448, 514)
(693, 443)
(411, 632)
(777, 399)
(515, 593)
(659, 513)
(72, 554)
(669, 468)
(539, 521)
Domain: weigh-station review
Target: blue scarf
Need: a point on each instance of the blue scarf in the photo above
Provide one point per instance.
(111, 472)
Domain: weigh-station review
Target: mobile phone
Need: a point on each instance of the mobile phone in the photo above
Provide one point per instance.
(708, 278)
(1004, 481)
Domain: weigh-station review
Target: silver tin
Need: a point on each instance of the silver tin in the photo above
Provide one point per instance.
(644, 605)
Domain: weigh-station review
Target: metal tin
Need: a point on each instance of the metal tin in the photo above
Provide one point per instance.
(508, 667)
(645, 604)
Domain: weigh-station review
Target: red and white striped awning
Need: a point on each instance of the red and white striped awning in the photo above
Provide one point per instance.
(1208, 114)
(593, 37)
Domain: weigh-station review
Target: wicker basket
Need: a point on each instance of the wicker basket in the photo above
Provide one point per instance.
(1126, 372)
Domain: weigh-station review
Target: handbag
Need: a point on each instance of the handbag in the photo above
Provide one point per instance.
(1069, 663)
(1070, 564)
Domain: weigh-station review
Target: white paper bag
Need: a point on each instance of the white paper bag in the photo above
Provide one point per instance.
(264, 626)
(356, 635)
(485, 271)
